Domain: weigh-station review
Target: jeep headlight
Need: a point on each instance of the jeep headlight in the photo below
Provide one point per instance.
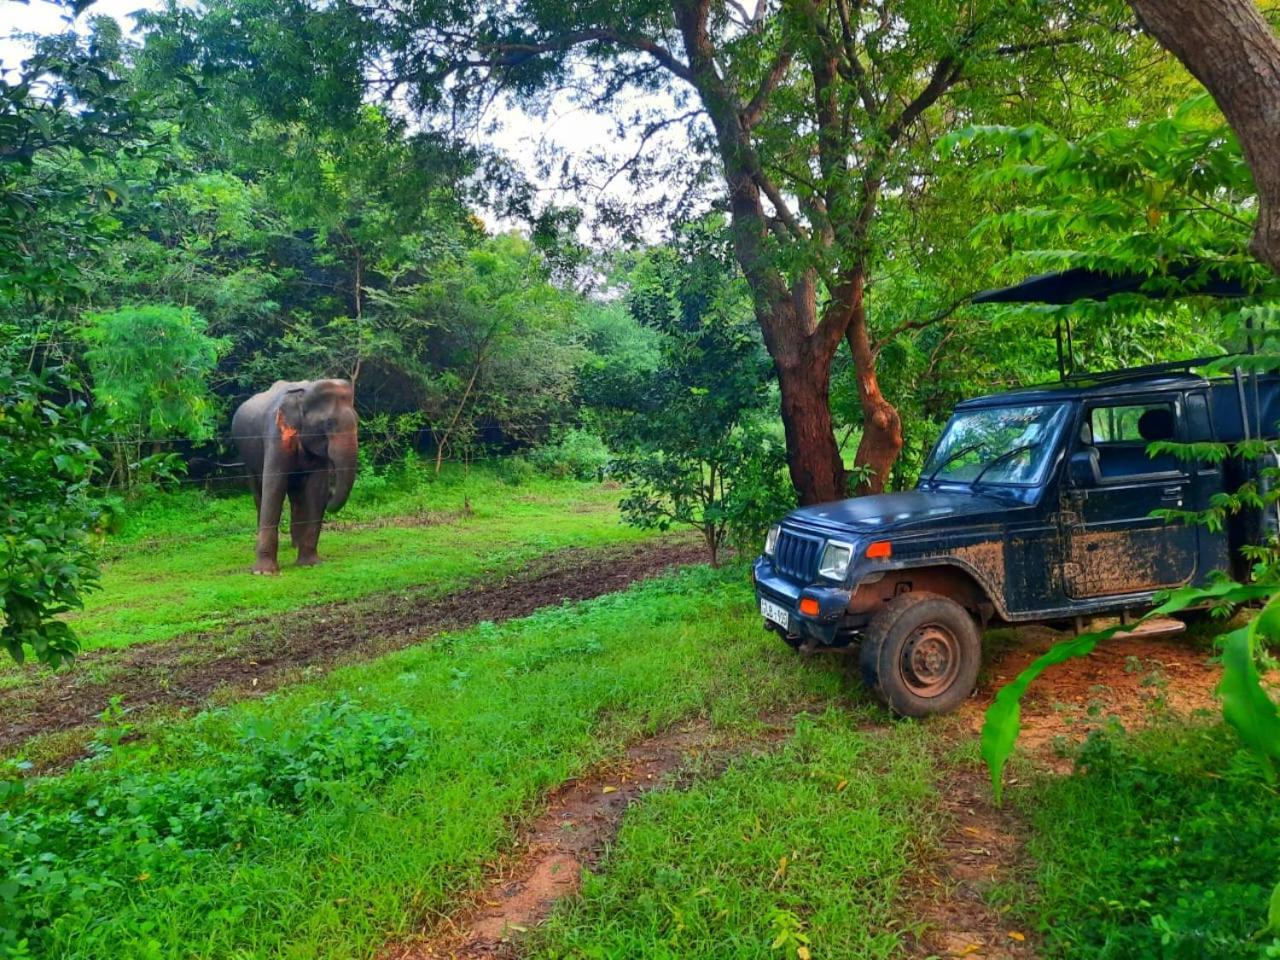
(835, 560)
(771, 540)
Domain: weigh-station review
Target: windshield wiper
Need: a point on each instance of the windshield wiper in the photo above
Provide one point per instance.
(1003, 457)
(952, 459)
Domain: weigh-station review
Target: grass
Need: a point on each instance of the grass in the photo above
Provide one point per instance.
(502, 715)
(182, 563)
(803, 848)
(1166, 843)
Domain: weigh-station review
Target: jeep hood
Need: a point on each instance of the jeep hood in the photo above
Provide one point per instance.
(899, 511)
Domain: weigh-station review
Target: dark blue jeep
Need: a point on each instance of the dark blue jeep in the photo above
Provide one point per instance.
(1035, 505)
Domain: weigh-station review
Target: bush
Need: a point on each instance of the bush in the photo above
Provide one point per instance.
(70, 841)
(46, 560)
(575, 453)
(151, 366)
(515, 471)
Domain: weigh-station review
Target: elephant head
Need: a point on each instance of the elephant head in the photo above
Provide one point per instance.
(322, 417)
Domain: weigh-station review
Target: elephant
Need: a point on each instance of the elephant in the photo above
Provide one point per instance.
(297, 438)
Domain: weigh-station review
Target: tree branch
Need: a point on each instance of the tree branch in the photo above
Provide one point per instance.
(500, 55)
(750, 115)
(908, 325)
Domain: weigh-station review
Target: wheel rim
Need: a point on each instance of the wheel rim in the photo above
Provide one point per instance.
(930, 660)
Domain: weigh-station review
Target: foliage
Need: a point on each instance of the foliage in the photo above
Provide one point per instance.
(64, 114)
(1163, 844)
(47, 454)
(70, 841)
(812, 126)
(150, 367)
(504, 350)
(691, 439)
(1159, 197)
(574, 453)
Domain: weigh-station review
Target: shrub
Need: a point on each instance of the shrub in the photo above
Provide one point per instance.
(151, 366)
(69, 842)
(575, 453)
(515, 471)
(46, 560)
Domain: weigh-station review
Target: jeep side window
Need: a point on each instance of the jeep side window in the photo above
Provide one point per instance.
(1122, 432)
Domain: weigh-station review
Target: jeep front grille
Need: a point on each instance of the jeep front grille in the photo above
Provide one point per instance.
(796, 555)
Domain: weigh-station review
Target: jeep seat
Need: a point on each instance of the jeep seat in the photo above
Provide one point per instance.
(1086, 446)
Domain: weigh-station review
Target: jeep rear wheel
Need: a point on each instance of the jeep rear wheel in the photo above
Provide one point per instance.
(921, 654)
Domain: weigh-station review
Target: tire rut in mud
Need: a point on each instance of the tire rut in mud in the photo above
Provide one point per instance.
(252, 658)
(579, 821)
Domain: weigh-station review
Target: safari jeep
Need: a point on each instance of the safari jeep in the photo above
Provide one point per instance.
(1035, 505)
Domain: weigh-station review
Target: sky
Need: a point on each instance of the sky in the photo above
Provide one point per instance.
(566, 129)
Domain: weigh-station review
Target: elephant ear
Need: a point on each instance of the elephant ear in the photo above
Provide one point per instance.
(289, 420)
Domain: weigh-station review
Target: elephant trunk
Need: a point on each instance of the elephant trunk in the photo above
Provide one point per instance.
(342, 456)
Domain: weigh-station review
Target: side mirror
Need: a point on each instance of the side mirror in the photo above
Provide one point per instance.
(1082, 469)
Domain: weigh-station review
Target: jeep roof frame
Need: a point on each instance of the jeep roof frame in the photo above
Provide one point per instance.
(1188, 279)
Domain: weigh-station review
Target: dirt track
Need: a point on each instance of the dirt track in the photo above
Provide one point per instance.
(1130, 680)
(580, 820)
(259, 656)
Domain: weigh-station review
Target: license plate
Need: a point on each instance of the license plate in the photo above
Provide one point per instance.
(778, 614)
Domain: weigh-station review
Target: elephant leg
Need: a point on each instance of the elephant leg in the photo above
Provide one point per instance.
(312, 498)
(274, 483)
(297, 515)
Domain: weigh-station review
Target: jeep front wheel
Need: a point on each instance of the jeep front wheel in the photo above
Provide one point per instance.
(921, 654)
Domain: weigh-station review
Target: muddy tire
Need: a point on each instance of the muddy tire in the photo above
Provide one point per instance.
(921, 654)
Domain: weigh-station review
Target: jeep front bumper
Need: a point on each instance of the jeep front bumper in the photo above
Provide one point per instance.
(823, 628)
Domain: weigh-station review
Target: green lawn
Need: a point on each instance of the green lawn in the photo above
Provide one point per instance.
(295, 828)
(182, 564)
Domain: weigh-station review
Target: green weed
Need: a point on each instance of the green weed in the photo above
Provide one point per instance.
(1165, 844)
(291, 827)
(795, 853)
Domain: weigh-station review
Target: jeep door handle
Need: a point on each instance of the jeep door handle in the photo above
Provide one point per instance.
(1172, 493)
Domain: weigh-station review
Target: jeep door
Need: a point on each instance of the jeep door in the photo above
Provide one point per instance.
(1112, 544)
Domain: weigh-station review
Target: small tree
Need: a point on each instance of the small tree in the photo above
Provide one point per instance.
(46, 562)
(150, 370)
(694, 444)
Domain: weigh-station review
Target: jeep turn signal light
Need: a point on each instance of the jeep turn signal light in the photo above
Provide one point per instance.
(809, 607)
(880, 550)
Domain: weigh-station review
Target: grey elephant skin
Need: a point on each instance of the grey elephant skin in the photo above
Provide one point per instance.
(297, 439)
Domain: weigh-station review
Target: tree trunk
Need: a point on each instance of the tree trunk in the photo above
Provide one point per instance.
(881, 426)
(817, 469)
(1233, 51)
(802, 347)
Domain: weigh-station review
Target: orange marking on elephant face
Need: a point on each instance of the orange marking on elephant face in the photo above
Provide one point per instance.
(288, 434)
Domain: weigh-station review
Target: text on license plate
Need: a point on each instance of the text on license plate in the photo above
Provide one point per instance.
(778, 614)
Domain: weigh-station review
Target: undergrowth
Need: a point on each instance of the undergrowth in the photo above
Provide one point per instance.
(321, 822)
(1166, 843)
(72, 840)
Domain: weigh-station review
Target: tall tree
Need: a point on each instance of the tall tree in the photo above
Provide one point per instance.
(814, 111)
(1230, 48)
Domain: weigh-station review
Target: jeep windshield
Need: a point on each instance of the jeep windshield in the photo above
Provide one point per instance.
(996, 445)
